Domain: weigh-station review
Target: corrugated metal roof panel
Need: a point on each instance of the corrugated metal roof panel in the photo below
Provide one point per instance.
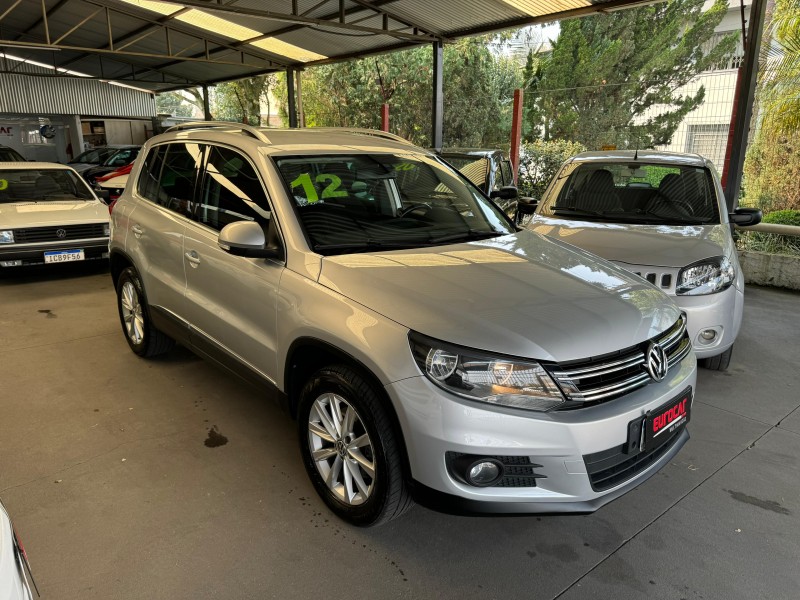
(34, 91)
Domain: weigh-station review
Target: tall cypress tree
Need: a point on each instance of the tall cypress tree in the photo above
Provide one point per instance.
(612, 79)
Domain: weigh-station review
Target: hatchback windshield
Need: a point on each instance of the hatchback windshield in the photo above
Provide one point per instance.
(10, 155)
(94, 156)
(362, 202)
(121, 157)
(633, 193)
(39, 185)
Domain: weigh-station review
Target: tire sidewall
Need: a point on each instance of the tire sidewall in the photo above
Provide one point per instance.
(332, 381)
(130, 275)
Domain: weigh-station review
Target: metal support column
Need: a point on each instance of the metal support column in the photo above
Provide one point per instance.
(206, 104)
(290, 97)
(743, 110)
(437, 125)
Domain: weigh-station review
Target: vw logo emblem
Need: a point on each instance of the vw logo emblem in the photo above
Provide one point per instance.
(61, 233)
(656, 362)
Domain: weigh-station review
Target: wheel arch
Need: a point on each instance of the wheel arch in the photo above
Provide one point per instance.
(307, 355)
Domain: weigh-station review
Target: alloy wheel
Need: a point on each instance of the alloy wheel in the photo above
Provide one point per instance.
(341, 449)
(132, 312)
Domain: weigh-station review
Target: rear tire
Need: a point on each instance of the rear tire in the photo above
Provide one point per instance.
(350, 449)
(134, 315)
(719, 362)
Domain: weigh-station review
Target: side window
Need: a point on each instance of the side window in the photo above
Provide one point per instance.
(231, 191)
(505, 169)
(169, 174)
(147, 185)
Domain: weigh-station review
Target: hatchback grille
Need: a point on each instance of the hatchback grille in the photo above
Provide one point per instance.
(612, 467)
(603, 378)
(51, 234)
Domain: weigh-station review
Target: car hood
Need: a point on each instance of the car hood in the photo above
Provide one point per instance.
(521, 294)
(645, 245)
(52, 212)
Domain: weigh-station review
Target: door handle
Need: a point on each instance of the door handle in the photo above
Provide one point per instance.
(193, 258)
(137, 231)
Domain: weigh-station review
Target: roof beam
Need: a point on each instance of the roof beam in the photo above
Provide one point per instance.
(333, 23)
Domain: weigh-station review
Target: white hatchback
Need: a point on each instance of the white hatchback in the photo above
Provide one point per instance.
(48, 214)
(661, 215)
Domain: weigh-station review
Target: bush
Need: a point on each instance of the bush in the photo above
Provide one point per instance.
(539, 161)
(783, 217)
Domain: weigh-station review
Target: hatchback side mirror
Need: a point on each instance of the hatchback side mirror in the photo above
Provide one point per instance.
(507, 192)
(247, 238)
(527, 206)
(103, 195)
(744, 217)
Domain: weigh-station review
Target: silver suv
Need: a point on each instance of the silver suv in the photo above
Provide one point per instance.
(426, 347)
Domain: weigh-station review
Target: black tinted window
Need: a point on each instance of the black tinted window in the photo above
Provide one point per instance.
(169, 174)
(231, 191)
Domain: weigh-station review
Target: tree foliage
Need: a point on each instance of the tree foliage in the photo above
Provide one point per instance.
(612, 79)
(241, 100)
(539, 162)
(780, 87)
(478, 92)
(772, 169)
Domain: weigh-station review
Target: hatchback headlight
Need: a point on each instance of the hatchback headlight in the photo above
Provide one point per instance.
(6, 236)
(706, 277)
(483, 377)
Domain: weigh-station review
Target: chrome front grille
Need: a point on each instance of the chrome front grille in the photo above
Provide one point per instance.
(610, 376)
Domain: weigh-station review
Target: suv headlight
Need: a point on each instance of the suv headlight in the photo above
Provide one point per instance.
(7, 236)
(706, 277)
(476, 375)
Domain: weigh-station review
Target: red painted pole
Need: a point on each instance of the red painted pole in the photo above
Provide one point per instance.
(516, 132)
(384, 117)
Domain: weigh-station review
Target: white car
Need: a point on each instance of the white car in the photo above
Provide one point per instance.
(661, 215)
(48, 214)
(14, 567)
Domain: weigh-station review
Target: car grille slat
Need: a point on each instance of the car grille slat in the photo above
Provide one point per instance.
(600, 379)
(50, 234)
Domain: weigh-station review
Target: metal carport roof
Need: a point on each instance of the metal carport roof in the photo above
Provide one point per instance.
(166, 45)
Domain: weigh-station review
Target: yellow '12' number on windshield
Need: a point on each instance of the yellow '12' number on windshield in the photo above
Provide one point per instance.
(3, 184)
(330, 191)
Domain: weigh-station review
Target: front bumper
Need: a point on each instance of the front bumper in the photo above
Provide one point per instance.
(721, 312)
(558, 443)
(33, 254)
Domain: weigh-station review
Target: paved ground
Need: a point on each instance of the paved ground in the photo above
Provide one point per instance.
(104, 467)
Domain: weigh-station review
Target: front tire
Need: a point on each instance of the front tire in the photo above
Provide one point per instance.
(719, 362)
(134, 315)
(350, 449)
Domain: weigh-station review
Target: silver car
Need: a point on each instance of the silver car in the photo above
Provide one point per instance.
(661, 215)
(15, 572)
(426, 347)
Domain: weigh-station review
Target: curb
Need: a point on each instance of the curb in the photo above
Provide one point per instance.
(778, 270)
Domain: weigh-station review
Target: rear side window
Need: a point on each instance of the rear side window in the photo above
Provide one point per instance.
(231, 191)
(169, 174)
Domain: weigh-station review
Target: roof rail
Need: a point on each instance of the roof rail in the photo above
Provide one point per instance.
(364, 131)
(248, 129)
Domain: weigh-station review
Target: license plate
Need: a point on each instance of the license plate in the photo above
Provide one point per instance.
(657, 426)
(63, 256)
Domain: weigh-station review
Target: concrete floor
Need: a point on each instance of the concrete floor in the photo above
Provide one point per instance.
(103, 465)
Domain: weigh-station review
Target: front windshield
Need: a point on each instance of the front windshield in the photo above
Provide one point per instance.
(10, 155)
(41, 185)
(94, 156)
(362, 202)
(120, 158)
(616, 192)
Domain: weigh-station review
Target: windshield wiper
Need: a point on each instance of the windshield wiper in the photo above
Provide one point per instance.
(577, 211)
(367, 244)
(471, 234)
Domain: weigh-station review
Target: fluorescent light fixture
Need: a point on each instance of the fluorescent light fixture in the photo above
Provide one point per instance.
(240, 33)
(537, 8)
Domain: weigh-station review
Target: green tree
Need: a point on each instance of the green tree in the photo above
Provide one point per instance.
(241, 100)
(186, 103)
(478, 93)
(781, 84)
(612, 79)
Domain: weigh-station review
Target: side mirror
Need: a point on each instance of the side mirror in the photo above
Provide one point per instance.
(247, 238)
(103, 195)
(507, 192)
(527, 206)
(744, 217)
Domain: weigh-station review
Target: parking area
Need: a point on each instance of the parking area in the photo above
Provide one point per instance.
(168, 478)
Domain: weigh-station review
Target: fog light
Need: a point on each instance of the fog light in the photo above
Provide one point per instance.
(484, 472)
(708, 334)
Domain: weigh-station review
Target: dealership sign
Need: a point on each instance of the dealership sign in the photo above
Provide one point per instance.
(7, 130)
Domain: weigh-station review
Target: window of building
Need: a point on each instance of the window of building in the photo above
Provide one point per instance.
(709, 141)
